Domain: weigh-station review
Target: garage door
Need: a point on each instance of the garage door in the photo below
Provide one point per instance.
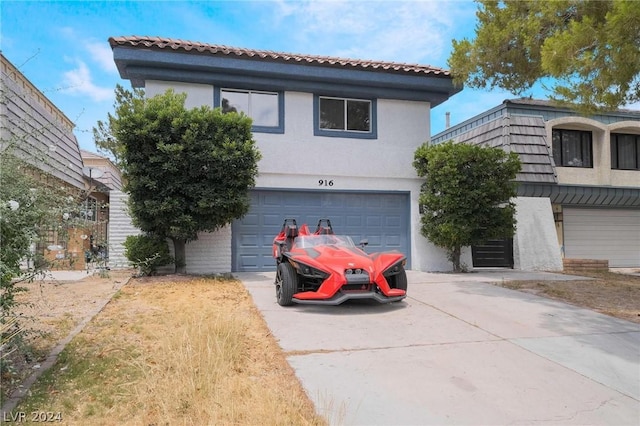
(612, 234)
(382, 218)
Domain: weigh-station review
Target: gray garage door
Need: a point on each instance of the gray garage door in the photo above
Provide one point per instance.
(382, 218)
(612, 234)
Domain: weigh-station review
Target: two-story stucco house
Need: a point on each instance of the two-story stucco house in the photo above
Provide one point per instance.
(579, 192)
(337, 138)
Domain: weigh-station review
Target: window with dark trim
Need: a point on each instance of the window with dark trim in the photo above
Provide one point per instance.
(625, 151)
(266, 109)
(572, 148)
(344, 117)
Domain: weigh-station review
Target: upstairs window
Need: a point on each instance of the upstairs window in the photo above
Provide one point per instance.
(344, 117)
(266, 109)
(572, 148)
(625, 151)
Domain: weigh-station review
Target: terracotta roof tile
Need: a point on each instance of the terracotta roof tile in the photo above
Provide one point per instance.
(187, 46)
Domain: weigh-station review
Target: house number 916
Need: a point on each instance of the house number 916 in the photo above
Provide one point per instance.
(325, 182)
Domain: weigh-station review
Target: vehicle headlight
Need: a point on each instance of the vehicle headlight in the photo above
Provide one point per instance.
(395, 268)
(309, 271)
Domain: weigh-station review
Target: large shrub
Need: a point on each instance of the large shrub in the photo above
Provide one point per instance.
(147, 252)
(467, 195)
(187, 170)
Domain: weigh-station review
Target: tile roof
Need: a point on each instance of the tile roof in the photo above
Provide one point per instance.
(160, 43)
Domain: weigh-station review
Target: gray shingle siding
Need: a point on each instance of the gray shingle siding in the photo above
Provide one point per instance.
(525, 136)
(32, 126)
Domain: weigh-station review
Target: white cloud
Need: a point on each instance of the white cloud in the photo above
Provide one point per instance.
(78, 82)
(67, 32)
(404, 31)
(102, 54)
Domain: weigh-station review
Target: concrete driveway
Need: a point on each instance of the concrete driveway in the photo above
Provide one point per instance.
(459, 351)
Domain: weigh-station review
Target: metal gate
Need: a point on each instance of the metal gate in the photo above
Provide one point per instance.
(493, 253)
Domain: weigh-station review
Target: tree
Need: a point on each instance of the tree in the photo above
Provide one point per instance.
(30, 207)
(589, 48)
(186, 170)
(466, 197)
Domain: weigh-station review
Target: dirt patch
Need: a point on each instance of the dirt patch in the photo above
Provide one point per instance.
(610, 293)
(48, 304)
(50, 310)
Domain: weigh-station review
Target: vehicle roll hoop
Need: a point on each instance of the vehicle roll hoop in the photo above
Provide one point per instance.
(324, 229)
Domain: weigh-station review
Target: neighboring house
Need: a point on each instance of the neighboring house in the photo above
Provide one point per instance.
(337, 138)
(108, 173)
(103, 178)
(579, 192)
(33, 128)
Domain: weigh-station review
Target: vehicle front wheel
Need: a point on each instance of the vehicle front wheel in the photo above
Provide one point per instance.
(286, 284)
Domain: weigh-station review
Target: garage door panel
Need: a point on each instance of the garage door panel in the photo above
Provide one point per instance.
(354, 221)
(381, 218)
(354, 202)
(267, 239)
(612, 234)
(291, 201)
(392, 241)
(251, 219)
(250, 240)
(249, 261)
(272, 220)
(375, 241)
(373, 203)
(334, 201)
(374, 221)
(270, 199)
(393, 222)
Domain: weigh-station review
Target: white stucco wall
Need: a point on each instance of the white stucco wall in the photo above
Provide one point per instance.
(535, 244)
(209, 254)
(402, 126)
(601, 172)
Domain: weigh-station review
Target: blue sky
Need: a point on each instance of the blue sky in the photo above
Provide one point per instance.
(62, 48)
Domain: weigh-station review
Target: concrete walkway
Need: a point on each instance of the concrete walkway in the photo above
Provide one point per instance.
(459, 351)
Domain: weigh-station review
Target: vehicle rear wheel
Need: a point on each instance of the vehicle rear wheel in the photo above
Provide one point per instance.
(286, 284)
(399, 280)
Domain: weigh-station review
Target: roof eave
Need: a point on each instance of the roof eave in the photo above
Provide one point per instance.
(138, 65)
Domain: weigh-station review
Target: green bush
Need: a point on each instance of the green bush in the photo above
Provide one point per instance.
(147, 252)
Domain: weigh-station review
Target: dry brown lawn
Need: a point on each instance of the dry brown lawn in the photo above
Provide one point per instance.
(173, 350)
(610, 293)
